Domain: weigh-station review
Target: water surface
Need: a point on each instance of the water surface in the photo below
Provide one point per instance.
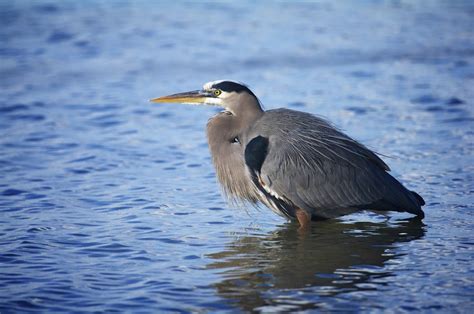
(109, 203)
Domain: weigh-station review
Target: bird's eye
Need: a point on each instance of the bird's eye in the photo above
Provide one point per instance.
(217, 92)
(235, 140)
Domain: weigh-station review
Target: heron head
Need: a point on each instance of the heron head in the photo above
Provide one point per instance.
(230, 95)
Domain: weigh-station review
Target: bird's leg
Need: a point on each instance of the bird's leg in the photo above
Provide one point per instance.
(304, 218)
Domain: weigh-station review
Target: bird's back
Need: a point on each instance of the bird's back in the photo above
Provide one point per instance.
(316, 136)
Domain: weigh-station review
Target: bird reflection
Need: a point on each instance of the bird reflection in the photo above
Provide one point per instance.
(292, 271)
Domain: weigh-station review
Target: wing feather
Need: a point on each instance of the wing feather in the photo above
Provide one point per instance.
(317, 167)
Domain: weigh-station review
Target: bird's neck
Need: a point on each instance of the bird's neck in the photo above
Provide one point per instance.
(249, 110)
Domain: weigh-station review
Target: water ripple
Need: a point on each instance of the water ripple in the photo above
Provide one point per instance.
(110, 204)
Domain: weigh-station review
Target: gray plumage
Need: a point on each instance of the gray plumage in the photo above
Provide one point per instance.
(293, 161)
(311, 165)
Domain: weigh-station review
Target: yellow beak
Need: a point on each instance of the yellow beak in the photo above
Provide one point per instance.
(193, 97)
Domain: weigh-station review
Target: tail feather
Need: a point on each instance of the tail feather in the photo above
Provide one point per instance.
(403, 199)
(418, 197)
(398, 198)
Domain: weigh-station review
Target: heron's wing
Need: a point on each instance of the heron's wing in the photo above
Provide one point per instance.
(306, 161)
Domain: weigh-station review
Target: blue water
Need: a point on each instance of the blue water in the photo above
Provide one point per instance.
(109, 203)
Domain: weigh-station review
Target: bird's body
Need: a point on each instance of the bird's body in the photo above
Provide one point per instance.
(297, 164)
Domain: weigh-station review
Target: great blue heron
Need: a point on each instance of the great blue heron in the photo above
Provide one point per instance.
(297, 164)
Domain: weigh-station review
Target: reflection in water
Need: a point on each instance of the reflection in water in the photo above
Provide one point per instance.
(291, 271)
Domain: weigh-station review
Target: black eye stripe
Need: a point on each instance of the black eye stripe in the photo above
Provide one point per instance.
(229, 86)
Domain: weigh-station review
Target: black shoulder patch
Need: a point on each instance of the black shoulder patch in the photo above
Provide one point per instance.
(255, 153)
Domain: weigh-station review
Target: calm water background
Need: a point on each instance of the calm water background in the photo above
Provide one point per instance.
(109, 203)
